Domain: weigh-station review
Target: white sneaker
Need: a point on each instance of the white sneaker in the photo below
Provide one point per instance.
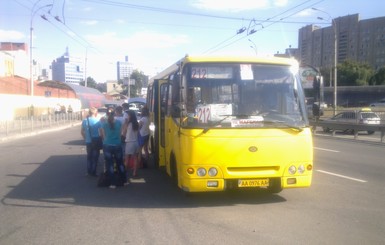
(112, 186)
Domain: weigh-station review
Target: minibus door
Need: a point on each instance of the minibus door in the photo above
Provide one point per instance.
(163, 91)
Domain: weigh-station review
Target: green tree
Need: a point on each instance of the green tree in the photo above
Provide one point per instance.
(351, 73)
(102, 87)
(378, 78)
(124, 86)
(140, 78)
(91, 83)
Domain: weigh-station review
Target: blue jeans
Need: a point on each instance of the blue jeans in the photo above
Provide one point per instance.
(113, 154)
(92, 159)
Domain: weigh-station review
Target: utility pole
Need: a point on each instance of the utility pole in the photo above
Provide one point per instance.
(334, 25)
(33, 12)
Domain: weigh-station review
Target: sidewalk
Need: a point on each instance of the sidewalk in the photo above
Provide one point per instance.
(52, 128)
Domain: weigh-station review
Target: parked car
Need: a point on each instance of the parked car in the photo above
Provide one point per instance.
(363, 116)
(378, 103)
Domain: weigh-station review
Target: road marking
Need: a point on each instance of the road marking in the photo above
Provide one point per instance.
(323, 149)
(342, 176)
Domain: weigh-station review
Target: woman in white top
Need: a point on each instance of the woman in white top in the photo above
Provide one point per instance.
(130, 130)
(144, 135)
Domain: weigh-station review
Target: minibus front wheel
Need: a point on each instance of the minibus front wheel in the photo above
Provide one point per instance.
(275, 185)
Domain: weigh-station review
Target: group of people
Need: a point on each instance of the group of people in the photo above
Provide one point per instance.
(123, 139)
(61, 109)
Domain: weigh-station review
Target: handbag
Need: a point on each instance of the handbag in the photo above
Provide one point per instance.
(96, 142)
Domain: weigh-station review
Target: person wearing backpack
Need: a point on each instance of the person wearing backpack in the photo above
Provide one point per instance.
(89, 130)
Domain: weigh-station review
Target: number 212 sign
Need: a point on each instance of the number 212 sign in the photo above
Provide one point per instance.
(204, 114)
(198, 73)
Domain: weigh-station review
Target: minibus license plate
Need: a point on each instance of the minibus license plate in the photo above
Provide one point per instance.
(253, 183)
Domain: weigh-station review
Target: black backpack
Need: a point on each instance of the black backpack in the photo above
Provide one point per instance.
(104, 180)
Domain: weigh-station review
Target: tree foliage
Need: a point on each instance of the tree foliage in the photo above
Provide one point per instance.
(351, 73)
(378, 78)
(138, 80)
(91, 83)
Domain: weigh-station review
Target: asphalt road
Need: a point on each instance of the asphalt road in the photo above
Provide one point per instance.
(47, 199)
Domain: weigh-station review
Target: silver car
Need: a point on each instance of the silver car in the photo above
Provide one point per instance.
(364, 116)
(378, 103)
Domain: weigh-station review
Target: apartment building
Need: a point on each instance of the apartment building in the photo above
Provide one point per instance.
(124, 69)
(68, 69)
(357, 40)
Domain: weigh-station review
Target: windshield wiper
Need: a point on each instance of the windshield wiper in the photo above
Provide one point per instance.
(216, 123)
(284, 124)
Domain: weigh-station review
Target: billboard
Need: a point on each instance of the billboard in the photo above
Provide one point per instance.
(307, 75)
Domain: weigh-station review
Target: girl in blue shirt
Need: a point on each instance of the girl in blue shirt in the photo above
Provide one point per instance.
(111, 132)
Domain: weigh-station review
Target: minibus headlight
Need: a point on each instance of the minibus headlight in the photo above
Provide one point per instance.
(213, 172)
(292, 169)
(201, 172)
(301, 169)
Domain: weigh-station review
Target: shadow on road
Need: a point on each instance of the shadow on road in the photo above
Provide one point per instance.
(75, 142)
(60, 182)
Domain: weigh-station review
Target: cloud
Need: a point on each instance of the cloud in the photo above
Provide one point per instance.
(141, 40)
(232, 5)
(305, 13)
(90, 22)
(280, 3)
(140, 48)
(70, 33)
(11, 35)
(120, 21)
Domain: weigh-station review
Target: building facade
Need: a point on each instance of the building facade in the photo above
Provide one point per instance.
(7, 66)
(357, 40)
(68, 69)
(124, 69)
(19, 52)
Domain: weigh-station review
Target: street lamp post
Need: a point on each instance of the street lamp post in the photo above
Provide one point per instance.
(85, 68)
(33, 12)
(335, 58)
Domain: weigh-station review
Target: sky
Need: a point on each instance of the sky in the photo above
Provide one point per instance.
(154, 34)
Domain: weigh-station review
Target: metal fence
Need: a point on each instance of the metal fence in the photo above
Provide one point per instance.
(352, 121)
(24, 125)
(351, 113)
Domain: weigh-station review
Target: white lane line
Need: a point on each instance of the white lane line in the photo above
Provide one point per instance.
(323, 149)
(342, 176)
